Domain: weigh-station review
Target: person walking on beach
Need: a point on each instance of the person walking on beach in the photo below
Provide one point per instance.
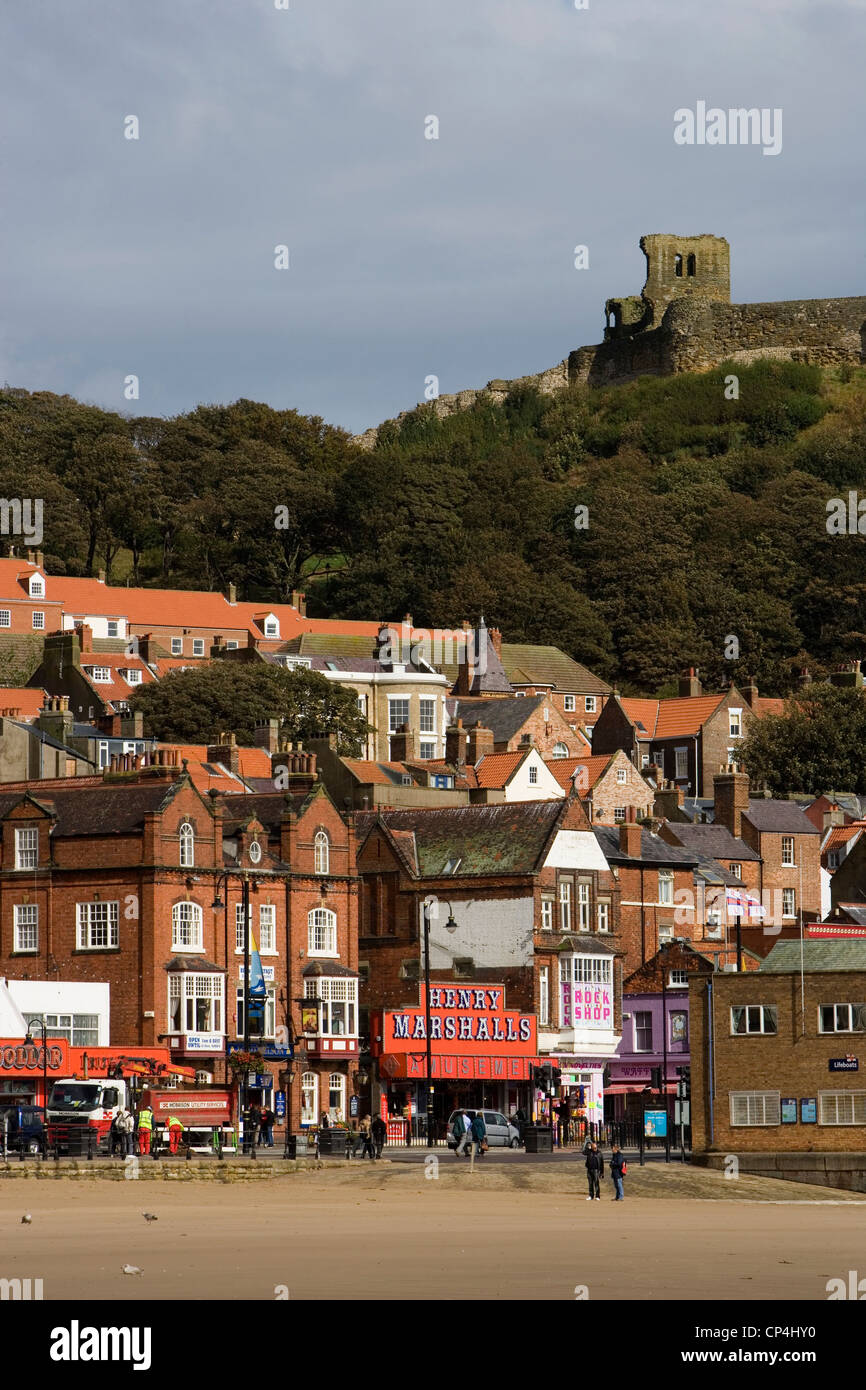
(594, 1173)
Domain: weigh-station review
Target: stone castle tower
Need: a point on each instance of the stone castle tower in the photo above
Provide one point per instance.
(676, 266)
(683, 321)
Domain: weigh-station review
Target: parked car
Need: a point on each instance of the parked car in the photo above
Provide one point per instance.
(500, 1131)
(23, 1127)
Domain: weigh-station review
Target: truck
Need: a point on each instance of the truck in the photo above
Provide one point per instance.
(78, 1109)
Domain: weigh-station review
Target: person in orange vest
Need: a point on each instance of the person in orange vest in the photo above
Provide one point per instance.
(175, 1130)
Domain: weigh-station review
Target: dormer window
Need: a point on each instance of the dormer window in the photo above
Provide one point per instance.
(37, 586)
(270, 625)
(100, 675)
(132, 677)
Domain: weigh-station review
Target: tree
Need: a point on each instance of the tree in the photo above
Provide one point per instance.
(818, 744)
(193, 706)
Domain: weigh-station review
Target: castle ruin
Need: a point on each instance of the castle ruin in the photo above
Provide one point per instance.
(683, 321)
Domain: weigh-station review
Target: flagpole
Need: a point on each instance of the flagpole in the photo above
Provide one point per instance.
(802, 958)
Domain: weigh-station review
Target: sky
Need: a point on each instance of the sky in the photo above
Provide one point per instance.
(408, 257)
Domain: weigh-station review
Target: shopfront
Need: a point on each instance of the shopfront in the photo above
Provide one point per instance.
(481, 1054)
(23, 1068)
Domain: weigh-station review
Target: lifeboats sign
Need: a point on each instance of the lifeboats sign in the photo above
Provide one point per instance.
(471, 1022)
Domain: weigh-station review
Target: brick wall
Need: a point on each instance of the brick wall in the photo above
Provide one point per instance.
(792, 1063)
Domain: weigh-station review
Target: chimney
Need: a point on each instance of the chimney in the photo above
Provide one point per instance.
(668, 800)
(731, 798)
(232, 594)
(479, 744)
(804, 677)
(40, 559)
(267, 735)
(835, 816)
(455, 744)
(496, 640)
(689, 683)
(56, 718)
(299, 601)
(750, 694)
(225, 751)
(630, 835)
(132, 725)
(849, 674)
(656, 772)
(85, 637)
(102, 576)
(403, 745)
(295, 769)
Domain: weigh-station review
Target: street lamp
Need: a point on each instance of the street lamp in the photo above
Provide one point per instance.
(450, 926)
(245, 909)
(29, 1039)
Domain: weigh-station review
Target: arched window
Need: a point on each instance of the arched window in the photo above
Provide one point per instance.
(690, 265)
(337, 1095)
(678, 266)
(186, 927)
(322, 932)
(322, 850)
(309, 1098)
(560, 750)
(187, 846)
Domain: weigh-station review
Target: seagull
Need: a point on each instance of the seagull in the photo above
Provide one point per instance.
(26, 1219)
(149, 1216)
(131, 1269)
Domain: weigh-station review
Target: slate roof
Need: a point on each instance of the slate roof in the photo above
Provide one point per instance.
(654, 850)
(713, 840)
(550, 666)
(107, 809)
(856, 911)
(504, 717)
(780, 818)
(507, 838)
(266, 807)
(818, 956)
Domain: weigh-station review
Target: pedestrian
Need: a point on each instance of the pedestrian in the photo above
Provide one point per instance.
(145, 1129)
(379, 1132)
(175, 1130)
(461, 1128)
(125, 1127)
(266, 1131)
(255, 1114)
(520, 1122)
(114, 1135)
(618, 1169)
(366, 1130)
(479, 1134)
(563, 1113)
(594, 1172)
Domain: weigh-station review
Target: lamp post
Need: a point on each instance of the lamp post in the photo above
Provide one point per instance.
(29, 1039)
(245, 909)
(451, 926)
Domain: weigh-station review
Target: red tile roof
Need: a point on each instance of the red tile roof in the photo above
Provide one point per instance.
(564, 769)
(22, 698)
(497, 769)
(841, 834)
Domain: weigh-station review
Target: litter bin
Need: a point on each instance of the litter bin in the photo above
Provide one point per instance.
(291, 1146)
(538, 1139)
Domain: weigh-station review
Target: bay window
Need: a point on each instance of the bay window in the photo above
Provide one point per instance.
(338, 1013)
(196, 1003)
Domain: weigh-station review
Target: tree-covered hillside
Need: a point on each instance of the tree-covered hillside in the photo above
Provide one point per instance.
(706, 516)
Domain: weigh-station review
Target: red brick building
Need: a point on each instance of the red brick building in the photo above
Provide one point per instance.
(135, 879)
